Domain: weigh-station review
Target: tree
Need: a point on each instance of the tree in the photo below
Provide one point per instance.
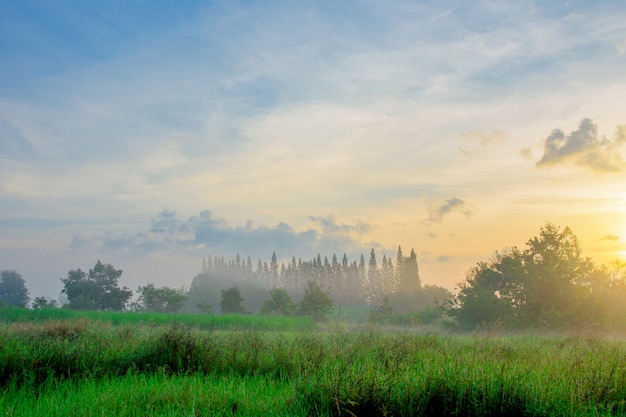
(481, 298)
(547, 284)
(232, 301)
(280, 303)
(42, 302)
(161, 300)
(553, 261)
(203, 293)
(316, 302)
(97, 290)
(408, 273)
(13, 289)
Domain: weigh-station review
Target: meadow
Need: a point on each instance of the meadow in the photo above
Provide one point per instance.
(62, 363)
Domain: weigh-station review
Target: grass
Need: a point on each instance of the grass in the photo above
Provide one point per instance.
(203, 321)
(82, 367)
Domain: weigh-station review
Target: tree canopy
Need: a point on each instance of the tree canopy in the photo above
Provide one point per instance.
(232, 301)
(547, 284)
(96, 290)
(161, 300)
(13, 289)
(316, 302)
(280, 303)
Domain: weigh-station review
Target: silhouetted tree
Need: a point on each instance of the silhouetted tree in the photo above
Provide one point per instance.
(42, 302)
(13, 289)
(232, 301)
(408, 273)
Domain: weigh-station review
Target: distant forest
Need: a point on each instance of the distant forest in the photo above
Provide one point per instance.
(546, 284)
(349, 283)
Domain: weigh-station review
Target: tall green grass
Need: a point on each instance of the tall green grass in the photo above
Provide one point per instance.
(97, 368)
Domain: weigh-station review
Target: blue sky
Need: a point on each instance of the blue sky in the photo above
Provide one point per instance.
(149, 134)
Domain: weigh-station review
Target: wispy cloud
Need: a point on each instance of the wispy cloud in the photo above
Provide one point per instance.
(481, 138)
(585, 148)
(610, 238)
(437, 211)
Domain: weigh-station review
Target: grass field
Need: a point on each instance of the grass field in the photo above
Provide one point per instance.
(92, 366)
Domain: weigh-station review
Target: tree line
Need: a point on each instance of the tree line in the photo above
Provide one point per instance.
(349, 282)
(320, 283)
(546, 284)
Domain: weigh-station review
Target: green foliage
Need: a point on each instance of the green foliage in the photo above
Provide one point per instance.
(548, 284)
(13, 288)
(98, 290)
(420, 299)
(316, 302)
(382, 313)
(280, 303)
(161, 300)
(197, 321)
(232, 301)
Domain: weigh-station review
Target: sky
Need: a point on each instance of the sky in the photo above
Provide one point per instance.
(150, 134)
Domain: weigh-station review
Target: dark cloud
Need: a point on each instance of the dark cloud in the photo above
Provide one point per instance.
(453, 205)
(443, 259)
(207, 233)
(586, 148)
(612, 238)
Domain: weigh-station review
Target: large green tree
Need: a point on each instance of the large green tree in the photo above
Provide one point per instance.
(96, 290)
(548, 284)
(161, 300)
(13, 289)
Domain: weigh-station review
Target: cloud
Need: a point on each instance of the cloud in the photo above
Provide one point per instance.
(206, 232)
(484, 137)
(453, 205)
(611, 238)
(165, 222)
(479, 138)
(585, 148)
(443, 258)
(526, 153)
(330, 225)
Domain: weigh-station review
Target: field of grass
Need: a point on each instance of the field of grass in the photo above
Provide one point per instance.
(91, 366)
